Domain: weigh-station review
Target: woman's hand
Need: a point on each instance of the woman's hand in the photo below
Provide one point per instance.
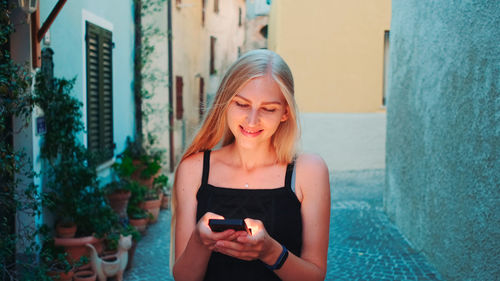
(251, 246)
(208, 238)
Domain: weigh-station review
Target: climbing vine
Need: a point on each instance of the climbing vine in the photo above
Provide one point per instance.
(148, 77)
(17, 196)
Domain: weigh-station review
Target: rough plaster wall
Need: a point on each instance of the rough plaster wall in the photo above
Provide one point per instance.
(443, 133)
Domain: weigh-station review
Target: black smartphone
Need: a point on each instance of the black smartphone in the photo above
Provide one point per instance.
(219, 225)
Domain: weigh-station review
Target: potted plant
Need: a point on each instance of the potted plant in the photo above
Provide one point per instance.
(66, 229)
(71, 188)
(95, 219)
(118, 194)
(58, 268)
(152, 203)
(146, 162)
(137, 216)
(118, 191)
(161, 182)
(54, 261)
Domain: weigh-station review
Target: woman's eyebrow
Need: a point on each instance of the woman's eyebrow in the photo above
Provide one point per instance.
(265, 103)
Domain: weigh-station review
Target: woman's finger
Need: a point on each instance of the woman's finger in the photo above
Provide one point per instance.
(235, 235)
(247, 239)
(222, 235)
(231, 245)
(243, 255)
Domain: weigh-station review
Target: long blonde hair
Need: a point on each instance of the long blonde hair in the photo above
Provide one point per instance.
(253, 64)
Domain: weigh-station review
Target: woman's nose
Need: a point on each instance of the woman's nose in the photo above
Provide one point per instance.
(253, 117)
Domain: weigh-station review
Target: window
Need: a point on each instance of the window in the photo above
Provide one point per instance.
(239, 16)
(212, 55)
(203, 12)
(179, 109)
(263, 31)
(216, 6)
(99, 46)
(202, 97)
(386, 65)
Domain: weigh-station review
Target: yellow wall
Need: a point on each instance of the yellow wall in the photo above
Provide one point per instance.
(335, 49)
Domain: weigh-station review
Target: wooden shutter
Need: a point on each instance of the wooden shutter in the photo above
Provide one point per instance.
(216, 6)
(203, 12)
(99, 91)
(212, 55)
(179, 109)
(239, 16)
(202, 97)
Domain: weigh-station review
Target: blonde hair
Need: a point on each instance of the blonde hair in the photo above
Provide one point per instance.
(253, 64)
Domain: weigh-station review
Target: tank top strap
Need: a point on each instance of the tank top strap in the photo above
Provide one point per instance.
(206, 167)
(289, 173)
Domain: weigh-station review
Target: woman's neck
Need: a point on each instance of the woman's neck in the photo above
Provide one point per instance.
(249, 159)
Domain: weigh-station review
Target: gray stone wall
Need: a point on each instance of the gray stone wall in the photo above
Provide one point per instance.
(443, 133)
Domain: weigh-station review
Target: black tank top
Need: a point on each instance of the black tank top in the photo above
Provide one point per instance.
(278, 209)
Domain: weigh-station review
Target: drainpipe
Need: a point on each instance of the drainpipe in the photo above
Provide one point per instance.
(170, 85)
(37, 33)
(138, 71)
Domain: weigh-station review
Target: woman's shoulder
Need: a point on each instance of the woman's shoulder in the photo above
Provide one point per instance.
(310, 163)
(192, 161)
(189, 167)
(311, 172)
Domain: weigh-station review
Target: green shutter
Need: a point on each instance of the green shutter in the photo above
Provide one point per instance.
(99, 91)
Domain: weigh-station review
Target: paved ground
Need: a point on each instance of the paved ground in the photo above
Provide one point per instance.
(364, 244)
(151, 259)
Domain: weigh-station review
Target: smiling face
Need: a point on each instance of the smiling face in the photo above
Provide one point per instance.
(256, 111)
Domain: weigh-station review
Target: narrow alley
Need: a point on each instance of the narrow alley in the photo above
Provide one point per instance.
(101, 100)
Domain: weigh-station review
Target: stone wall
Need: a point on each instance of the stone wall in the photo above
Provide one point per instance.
(443, 133)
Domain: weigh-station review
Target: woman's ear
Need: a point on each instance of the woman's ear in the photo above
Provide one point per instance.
(284, 117)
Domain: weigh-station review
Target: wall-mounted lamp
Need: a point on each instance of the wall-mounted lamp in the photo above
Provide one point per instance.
(28, 6)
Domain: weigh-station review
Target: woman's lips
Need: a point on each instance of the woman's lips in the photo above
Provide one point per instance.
(249, 132)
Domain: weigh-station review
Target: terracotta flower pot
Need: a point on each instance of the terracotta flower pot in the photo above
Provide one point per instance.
(165, 202)
(152, 207)
(118, 201)
(66, 230)
(131, 254)
(136, 175)
(61, 275)
(85, 275)
(139, 224)
(75, 247)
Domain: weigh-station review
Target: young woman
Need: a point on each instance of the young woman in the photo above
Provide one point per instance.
(254, 175)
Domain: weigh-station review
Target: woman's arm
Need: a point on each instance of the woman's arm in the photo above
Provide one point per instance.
(313, 189)
(194, 241)
(313, 184)
(188, 266)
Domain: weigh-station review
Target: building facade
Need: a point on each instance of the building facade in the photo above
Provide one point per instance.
(256, 24)
(442, 175)
(335, 50)
(208, 36)
(92, 42)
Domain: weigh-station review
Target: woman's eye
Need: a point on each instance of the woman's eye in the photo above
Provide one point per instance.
(241, 104)
(270, 109)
